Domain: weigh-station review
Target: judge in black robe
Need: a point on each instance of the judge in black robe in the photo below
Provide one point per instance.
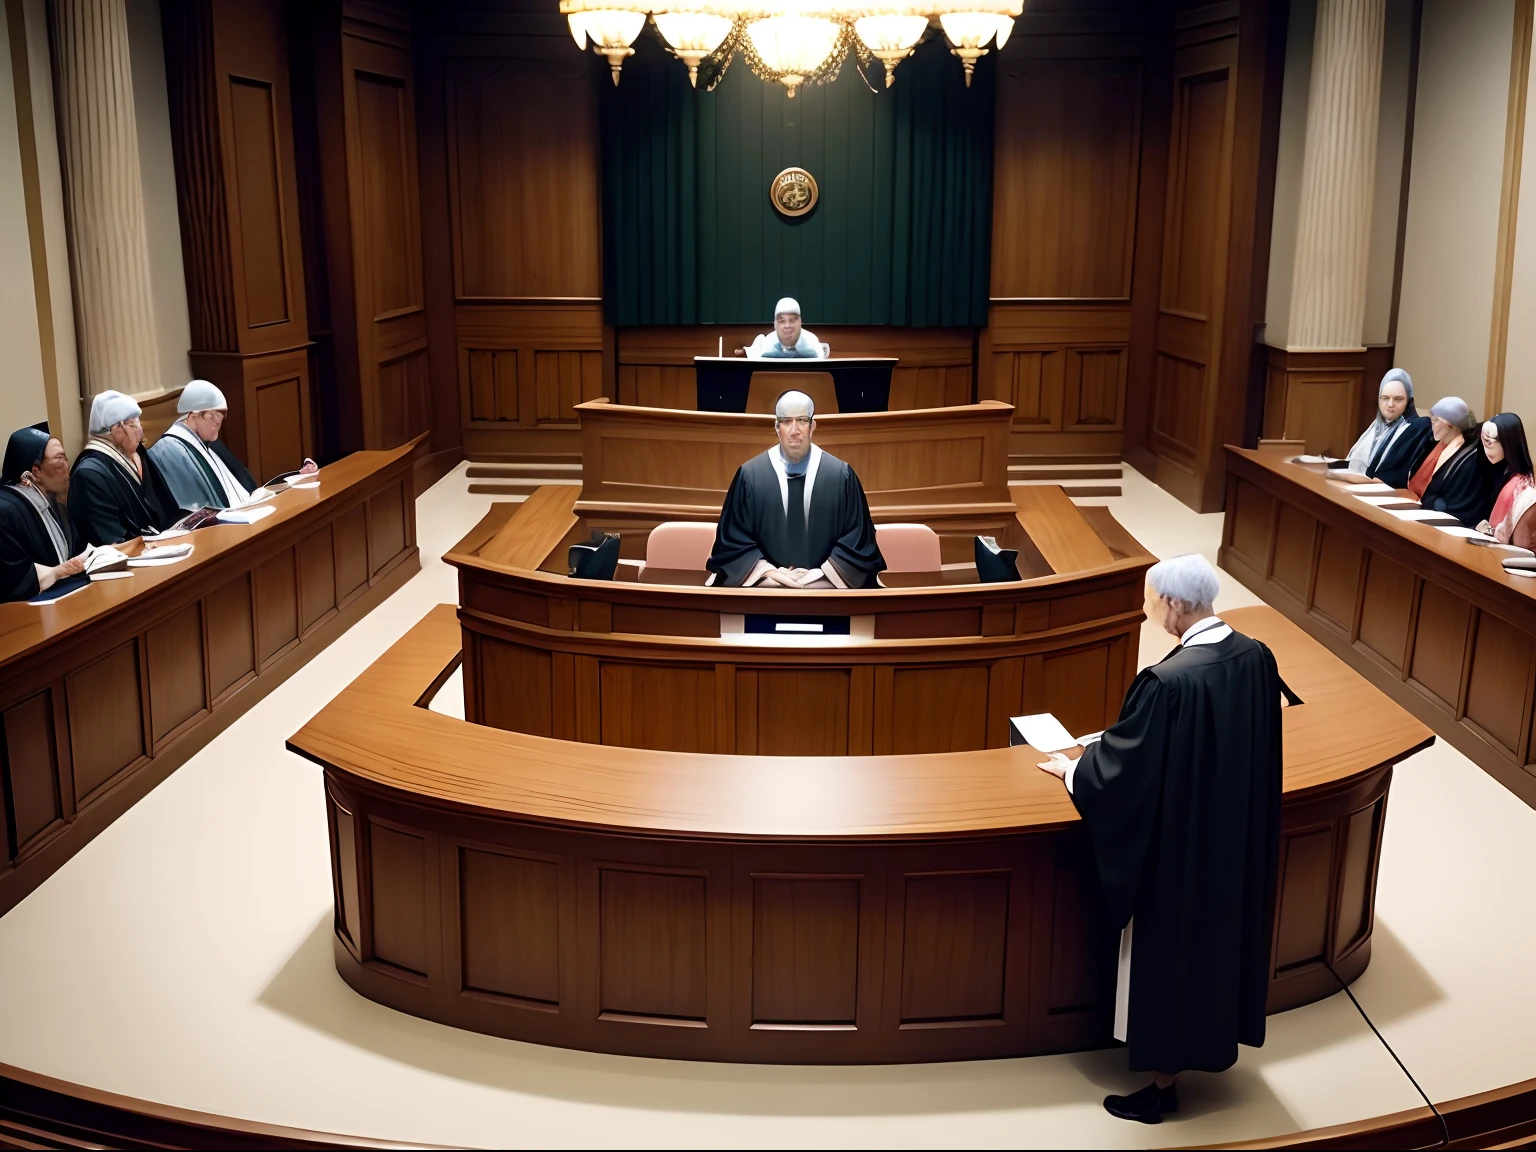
(37, 546)
(795, 515)
(1181, 799)
(1396, 441)
(116, 492)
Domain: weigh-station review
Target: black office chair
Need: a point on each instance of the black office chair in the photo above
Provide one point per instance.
(598, 559)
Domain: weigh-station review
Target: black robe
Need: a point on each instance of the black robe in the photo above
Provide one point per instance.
(1397, 460)
(1466, 485)
(25, 543)
(1181, 798)
(755, 525)
(107, 506)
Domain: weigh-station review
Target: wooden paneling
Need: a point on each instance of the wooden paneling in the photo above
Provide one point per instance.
(954, 947)
(1295, 537)
(932, 710)
(1065, 178)
(106, 723)
(232, 126)
(317, 578)
(177, 688)
(822, 909)
(652, 945)
(512, 687)
(34, 797)
(1497, 684)
(1306, 867)
(112, 689)
(397, 865)
(668, 707)
(805, 949)
(388, 527)
(510, 941)
(1435, 622)
(351, 534)
(1315, 398)
(277, 606)
(523, 189)
(344, 872)
(1440, 643)
(795, 712)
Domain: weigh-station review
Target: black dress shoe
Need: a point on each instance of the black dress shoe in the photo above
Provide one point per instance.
(1149, 1106)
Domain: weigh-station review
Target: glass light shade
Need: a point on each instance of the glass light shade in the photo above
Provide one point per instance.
(969, 33)
(611, 30)
(891, 37)
(692, 36)
(793, 47)
(1004, 30)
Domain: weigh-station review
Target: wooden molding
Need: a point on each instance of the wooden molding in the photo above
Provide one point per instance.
(1509, 205)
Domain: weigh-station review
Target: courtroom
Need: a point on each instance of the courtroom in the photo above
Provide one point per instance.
(693, 573)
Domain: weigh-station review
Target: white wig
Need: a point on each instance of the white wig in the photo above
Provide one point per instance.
(1188, 581)
(791, 403)
(201, 396)
(787, 304)
(109, 408)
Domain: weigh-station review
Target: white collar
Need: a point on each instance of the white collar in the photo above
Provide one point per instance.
(234, 491)
(45, 512)
(776, 458)
(1207, 630)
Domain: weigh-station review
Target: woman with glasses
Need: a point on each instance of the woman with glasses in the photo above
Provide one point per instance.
(115, 491)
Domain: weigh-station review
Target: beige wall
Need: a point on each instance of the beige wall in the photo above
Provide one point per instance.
(1449, 252)
(1520, 348)
(1292, 146)
(1391, 151)
(23, 399)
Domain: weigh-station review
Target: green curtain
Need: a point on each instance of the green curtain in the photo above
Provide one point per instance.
(901, 233)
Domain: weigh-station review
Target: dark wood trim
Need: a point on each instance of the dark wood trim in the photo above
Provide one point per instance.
(38, 1111)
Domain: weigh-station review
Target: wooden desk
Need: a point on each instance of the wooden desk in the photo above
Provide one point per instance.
(932, 668)
(725, 383)
(944, 467)
(103, 694)
(807, 909)
(1433, 621)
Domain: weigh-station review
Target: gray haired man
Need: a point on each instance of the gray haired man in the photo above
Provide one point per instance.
(1181, 799)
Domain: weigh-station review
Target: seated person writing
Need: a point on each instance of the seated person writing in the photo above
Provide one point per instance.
(1504, 445)
(38, 547)
(787, 340)
(199, 470)
(795, 515)
(116, 492)
(1396, 440)
(1455, 477)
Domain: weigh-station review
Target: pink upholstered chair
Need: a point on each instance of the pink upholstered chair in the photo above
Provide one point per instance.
(908, 547)
(680, 545)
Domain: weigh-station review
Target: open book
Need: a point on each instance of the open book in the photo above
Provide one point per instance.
(103, 560)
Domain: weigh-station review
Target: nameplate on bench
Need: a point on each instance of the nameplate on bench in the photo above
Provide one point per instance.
(777, 625)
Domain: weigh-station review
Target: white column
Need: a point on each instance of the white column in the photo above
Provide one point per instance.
(1338, 176)
(104, 196)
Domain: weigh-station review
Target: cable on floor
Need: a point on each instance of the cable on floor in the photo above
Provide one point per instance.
(1445, 1129)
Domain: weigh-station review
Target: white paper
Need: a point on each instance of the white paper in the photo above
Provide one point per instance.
(245, 516)
(169, 534)
(1465, 533)
(1090, 738)
(308, 484)
(1527, 572)
(1418, 514)
(792, 626)
(1374, 488)
(1382, 501)
(1512, 549)
(1316, 459)
(261, 495)
(1043, 732)
(157, 557)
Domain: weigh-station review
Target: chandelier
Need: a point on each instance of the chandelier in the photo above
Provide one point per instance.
(791, 42)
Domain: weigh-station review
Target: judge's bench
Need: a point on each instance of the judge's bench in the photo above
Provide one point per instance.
(622, 815)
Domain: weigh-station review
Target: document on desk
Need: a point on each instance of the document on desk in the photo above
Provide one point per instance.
(1385, 501)
(1374, 488)
(1043, 732)
(1422, 515)
(1471, 534)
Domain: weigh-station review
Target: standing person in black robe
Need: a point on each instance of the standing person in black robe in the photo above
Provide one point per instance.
(1181, 798)
(116, 492)
(795, 516)
(38, 548)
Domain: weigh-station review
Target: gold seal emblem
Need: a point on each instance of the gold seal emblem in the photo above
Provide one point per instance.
(793, 192)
